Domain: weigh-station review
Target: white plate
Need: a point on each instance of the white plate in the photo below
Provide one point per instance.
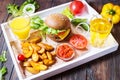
(91, 54)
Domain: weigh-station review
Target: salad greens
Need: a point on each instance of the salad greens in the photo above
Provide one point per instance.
(13, 9)
(38, 23)
(84, 26)
(68, 13)
(82, 22)
(76, 21)
(16, 10)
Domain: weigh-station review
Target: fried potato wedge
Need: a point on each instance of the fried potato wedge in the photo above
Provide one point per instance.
(27, 49)
(25, 45)
(35, 40)
(49, 55)
(28, 54)
(32, 70)
(35, 37)
(43, 56)
(26, 63)
(48, 62)
(53, 54)
(46, 46)
(38, 66)
(35, 47)
(35, 56)
(43, 67)
(35, 65)
(42, 50)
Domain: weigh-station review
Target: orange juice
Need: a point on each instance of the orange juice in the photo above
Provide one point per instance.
(20, 27)
(99, 31)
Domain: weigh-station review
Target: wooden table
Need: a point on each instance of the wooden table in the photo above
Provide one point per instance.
(104, 68)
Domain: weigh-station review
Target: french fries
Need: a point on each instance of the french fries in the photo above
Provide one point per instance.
(39, 56)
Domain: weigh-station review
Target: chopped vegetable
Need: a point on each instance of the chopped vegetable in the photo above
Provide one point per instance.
(65, 52)
(16, 10)
(76, 21)
(85, 26)
(111, 12)
(3, 57)
(68, 13)
(3, 70)
(29, 9)
(80, 22)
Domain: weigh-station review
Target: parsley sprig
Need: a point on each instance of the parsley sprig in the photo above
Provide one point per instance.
(3, 70)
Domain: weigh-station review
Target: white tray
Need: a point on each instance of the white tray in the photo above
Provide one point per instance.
(91, 54)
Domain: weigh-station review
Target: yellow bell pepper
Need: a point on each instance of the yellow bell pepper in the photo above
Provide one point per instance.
(111, 12)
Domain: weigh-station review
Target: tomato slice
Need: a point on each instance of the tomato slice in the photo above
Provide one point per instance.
(78, 41)
(76, 7)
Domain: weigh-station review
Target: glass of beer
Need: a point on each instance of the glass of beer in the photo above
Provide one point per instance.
(100, 29)
(20, 26)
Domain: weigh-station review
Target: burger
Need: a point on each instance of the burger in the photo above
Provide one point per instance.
(60, 24)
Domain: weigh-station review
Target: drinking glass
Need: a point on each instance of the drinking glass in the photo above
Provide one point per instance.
(20, 26)
(100, 29)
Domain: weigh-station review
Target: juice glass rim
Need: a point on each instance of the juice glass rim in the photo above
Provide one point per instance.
(103, 21)
(11, 18)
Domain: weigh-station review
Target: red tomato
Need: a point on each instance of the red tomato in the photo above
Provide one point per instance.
(76, 7)
(78, 41)
(21, 57)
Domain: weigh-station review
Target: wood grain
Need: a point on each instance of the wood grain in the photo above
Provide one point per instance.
(103, 68)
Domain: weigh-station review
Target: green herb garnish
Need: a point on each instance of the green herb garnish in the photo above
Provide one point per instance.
(16, 10)
(3, 70)
(3, 57)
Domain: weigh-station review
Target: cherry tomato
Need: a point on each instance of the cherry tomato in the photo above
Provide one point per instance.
(78, 41)
(76, 7)
(21, 57)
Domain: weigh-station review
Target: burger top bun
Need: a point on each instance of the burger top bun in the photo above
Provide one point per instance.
(58, 21)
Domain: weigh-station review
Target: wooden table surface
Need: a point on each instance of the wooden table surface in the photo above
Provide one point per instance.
(103, 68)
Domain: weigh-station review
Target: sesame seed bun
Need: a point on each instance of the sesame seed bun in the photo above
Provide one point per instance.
(58, 21)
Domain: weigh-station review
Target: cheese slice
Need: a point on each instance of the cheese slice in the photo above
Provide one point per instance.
(62, 36)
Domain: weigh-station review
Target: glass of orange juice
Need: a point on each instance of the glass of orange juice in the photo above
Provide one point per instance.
(99, 30)
(20, 26)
